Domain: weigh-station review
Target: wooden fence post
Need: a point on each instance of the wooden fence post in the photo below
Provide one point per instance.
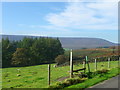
(119, 62)
(88, 64)
(95, 65)
(84, 65)
(71, 65)
(48, 74)
(108, 63)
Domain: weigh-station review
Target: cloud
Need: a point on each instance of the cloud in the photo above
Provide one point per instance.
(1, 33)
(86, 15)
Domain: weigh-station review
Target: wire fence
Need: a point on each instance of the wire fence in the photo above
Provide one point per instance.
(63, 70)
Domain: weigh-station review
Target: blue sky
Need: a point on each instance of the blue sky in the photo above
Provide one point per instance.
(61, 19)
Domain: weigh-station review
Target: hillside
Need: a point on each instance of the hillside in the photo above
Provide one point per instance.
(72, 43)
(76, 43)
(36, 76)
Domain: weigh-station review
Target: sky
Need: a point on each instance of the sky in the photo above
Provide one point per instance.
(98, 19)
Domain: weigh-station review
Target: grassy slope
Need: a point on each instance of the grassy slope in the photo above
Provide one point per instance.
(36, 76)
(90, 52)
(33, 76)
(90, 82)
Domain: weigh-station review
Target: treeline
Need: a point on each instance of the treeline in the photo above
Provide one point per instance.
(30, 51)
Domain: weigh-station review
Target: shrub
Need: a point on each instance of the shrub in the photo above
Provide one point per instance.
(67, 82)
(72, 81)
(102, 71)
(58, 85)
(21, 57)
(90, 74)
(60, 59)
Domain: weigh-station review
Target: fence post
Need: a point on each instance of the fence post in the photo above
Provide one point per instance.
(71, 65)
(84, 65)
(108, 63)
(48, 74)
(95, 65)
(119, 62)
(88, 64)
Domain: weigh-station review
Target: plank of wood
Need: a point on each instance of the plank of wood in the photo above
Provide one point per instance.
(79, 70)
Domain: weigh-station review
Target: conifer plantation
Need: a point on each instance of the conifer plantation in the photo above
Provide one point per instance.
(30, 51)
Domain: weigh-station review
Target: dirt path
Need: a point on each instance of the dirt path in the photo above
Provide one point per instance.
(62, 78)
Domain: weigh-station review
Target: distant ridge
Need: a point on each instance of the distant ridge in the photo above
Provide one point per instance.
(72, 43)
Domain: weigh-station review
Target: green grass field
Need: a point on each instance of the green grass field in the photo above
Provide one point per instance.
(97, 79)
(36, 76)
